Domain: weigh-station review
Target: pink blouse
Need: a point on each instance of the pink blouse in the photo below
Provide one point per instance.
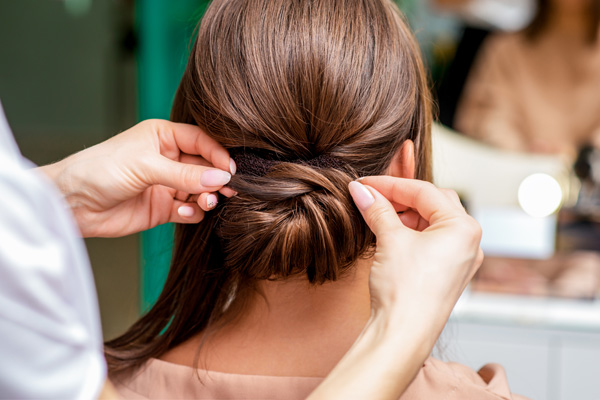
(437, 380)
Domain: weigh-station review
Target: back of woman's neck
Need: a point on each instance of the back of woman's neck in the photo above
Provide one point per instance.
(296, 299)
(292, 329)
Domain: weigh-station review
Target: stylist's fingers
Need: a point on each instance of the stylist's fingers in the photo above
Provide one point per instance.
(191, 139)
(377, 211)
(431, 203)
(185, 213)
(207, 201)
(184, 177)
(413, 220)
(452, 196)
(228, 192)
(197, 160)
(479, 260)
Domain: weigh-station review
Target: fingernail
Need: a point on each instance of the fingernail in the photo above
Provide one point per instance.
(361, 195)
(215, 177)
(186, 211)
(232, 166)
(211, 201)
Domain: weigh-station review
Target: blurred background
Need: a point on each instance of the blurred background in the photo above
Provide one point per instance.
(517, 87)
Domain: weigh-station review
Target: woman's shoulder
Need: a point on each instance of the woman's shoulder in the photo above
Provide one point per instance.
(460, 382)
(162, 379)
(437, 379)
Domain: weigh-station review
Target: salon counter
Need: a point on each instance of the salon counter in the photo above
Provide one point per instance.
(549, 347)
(528, 311)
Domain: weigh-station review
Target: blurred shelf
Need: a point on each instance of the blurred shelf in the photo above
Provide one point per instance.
(528, 311)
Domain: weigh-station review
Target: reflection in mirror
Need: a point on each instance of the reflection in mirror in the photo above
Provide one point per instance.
(523, 81)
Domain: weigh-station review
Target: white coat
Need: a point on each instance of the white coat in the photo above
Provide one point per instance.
(50, 336)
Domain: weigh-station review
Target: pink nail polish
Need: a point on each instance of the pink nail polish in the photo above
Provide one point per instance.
(361, 195)
(232, 166)
(186, 211)
(211, 201)
(215, 178)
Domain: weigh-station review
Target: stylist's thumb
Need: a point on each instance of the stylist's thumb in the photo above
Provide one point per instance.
(377, 211)
(189, 178)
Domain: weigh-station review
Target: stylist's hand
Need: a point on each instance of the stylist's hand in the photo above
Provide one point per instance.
(143, 177)
(425, 256)
(424, 259)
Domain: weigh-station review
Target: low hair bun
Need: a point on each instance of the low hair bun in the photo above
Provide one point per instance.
(296, 220)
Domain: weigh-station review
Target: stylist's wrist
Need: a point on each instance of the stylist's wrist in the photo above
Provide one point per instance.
(56, 173)
(416, 317)
(386, 356)
(385, 324)
(52, 171)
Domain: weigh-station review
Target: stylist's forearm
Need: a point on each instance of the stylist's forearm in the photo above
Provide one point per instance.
(382, 362)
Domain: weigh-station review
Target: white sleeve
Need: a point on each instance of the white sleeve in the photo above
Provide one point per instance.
(50, 337)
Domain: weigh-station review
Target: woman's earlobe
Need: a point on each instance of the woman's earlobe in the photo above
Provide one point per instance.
(403, 163)
(408, 159)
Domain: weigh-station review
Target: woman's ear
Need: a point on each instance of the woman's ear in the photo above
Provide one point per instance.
(403, 163)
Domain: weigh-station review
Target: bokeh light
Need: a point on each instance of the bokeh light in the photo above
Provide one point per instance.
(540, 195)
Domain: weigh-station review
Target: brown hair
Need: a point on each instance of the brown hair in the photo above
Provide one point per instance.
(291, 80)
(544, 12)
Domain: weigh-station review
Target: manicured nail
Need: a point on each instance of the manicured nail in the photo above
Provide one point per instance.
(215, 177)
(361, 195)
(232, 166)
(211, 201)
(186, 211)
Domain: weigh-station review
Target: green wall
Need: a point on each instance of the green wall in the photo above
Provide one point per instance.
(165, 29)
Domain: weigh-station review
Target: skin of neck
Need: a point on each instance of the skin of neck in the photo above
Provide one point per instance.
(297, 302)
(292, 328)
